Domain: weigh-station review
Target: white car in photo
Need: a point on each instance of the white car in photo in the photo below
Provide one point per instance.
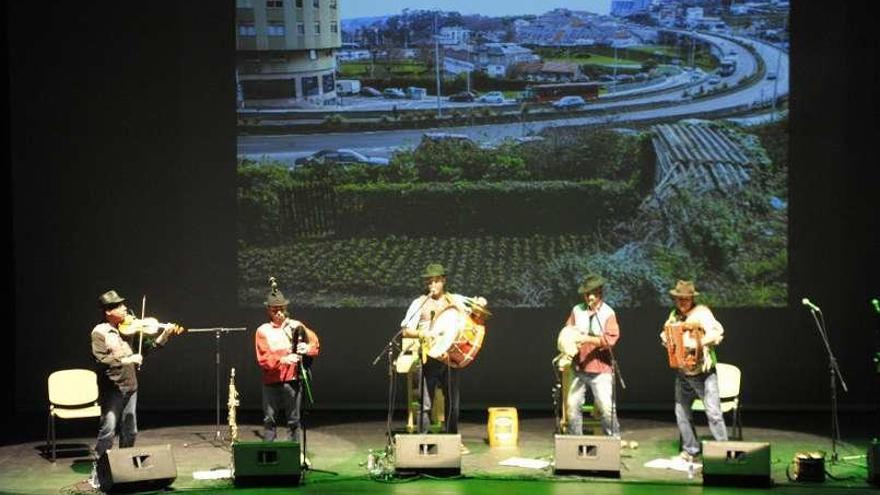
(491, 97)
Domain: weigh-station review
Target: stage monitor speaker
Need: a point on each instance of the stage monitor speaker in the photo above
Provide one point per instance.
(137, 469)
(266, 463)
(874, 462)
(428, 453)
(586, 454)
(736, 463)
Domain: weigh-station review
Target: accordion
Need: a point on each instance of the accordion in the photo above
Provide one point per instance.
(688, 359)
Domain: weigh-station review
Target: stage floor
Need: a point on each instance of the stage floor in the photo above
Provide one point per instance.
(338, 445)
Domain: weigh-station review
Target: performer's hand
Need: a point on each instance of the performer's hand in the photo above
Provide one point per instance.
(290, 359)
(302, 348)
(133, 359)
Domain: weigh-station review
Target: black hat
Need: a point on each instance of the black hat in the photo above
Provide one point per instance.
(276, 298)
(110, 298)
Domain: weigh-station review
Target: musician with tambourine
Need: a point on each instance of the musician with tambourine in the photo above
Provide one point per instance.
(284, 346)
(112, 343)
(425, 311)
(690, 335)
(585, 346)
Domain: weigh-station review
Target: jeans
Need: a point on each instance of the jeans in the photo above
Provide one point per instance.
(118, 413)
(601, 386)
(282, 400)
(688, 388)
(436, 374)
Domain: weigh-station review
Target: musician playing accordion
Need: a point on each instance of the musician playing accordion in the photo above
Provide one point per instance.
(690, 335)
(418, 322)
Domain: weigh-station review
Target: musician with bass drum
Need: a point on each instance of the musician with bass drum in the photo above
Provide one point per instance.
(690, 335)
(428, 318)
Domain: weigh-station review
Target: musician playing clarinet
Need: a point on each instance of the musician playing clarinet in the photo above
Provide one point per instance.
(697, 379)
(418, 323)
(282, 345)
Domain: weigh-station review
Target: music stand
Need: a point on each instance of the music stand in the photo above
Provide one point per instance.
(217, 441)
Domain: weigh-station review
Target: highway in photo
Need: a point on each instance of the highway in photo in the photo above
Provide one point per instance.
(652, 102)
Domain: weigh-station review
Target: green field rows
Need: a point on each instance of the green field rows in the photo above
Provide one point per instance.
(384, 271)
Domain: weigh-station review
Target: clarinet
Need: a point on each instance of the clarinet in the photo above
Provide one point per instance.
(232, 404)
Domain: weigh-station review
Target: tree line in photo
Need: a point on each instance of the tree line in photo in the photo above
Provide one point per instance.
(546, 211)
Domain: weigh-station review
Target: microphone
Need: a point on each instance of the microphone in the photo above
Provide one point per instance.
(432, 315)
(806, 302)
(876, 303)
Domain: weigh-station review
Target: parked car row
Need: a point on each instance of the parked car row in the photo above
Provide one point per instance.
(470, 96)
(493, 97)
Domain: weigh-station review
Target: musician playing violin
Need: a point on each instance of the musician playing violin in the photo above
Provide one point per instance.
(418, 323)
(700, 381)
(117, 362)
(594, 323)
(283, 344)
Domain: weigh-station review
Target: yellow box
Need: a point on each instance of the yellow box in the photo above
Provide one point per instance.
(503, 427)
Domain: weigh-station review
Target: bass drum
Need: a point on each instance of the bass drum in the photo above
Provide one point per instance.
(455, 338)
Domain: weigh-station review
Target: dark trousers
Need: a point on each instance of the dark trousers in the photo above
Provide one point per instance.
(118, 415)
(437, 375)
(281, 403)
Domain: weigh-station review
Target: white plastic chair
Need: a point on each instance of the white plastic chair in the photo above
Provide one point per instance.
(729, 380)
(73, 394)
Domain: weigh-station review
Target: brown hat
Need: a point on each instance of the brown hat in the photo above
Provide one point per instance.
(590, 283)
(276, 298)
(110, 298)
(684, 288)
(434, 270)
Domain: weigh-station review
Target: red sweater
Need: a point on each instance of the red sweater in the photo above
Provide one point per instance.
(273, 343)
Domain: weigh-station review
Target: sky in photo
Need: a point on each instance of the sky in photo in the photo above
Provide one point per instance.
(369, 8)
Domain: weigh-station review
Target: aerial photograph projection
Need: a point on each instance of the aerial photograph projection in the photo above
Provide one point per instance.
(522, 145)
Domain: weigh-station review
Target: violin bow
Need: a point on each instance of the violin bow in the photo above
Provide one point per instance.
(141, 333)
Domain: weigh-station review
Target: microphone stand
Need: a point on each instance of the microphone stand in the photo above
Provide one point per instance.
(556, 393)
(388, 351)
(616, 376)
(409, 316)
(615, 370)
(303, 372)
(834, 372)
(217, 331)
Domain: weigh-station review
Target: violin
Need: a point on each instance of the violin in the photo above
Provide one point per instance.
(147, 326)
